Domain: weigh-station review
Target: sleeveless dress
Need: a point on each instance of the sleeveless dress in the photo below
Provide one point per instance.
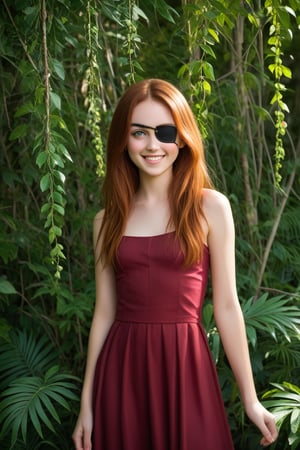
(155, 385)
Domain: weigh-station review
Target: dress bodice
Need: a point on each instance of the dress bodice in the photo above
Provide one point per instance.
(152, 283)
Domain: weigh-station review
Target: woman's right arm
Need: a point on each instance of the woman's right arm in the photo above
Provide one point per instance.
(103, 318)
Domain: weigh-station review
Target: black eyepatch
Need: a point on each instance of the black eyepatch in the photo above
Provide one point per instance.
(164, 133)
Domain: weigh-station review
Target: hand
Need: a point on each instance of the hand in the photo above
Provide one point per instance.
(83, 431)
(264, 420)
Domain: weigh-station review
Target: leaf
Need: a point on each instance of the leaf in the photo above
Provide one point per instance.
(55, 100)
(59, 175)
(45, 208)
(290, 11)
(262, 112)
(254, 20)
(214, 34)
(57, 161)
(51, 235)
(45, 182)
(206, 86)
(65, 152)
(271, 67)
(207, 49)
(18, 132)
(59, 69)
(272, 29)
(6, 287)
(286, 72)
(138, 12)
(24, 355)
(284, 402)
(58, 198)
(57, 120)
(26, 108)
(292, 388)
(30, 10)
(41, 159)
(56, 231)
(208, 71)
(34, 398)
(71, 40)
(59, 209)
(271, 315)
(165, 10)
(251, 334)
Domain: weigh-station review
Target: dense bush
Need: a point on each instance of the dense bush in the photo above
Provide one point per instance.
(63, 67)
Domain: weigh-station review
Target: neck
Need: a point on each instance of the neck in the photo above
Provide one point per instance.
(154, 188)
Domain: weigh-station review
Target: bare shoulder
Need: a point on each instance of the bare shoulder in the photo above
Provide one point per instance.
(214, 203)
(98, 219)
(217, 211)
(99, 216)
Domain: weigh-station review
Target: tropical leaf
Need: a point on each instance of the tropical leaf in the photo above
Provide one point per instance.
(25, 355)
(272, 315)
(36, 400)
(284, 402)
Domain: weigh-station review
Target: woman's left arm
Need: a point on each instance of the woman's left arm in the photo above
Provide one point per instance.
(227, 310)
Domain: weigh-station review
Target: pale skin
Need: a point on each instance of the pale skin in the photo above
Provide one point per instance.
(150, 216)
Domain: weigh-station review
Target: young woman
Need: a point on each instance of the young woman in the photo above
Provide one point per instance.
(150, 381)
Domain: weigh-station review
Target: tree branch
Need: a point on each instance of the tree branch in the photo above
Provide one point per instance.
(276, 223)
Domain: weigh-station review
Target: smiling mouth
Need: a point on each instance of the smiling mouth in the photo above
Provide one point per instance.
(154, 158)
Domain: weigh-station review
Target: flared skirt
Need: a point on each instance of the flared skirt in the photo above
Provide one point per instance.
(156, 388)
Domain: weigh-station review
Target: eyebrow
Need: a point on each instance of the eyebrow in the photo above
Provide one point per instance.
(140, 125)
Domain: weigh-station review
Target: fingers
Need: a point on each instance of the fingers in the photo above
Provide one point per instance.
(87, 441)
(77, 439)
(82, 439)
(269, 430)
(265, 421)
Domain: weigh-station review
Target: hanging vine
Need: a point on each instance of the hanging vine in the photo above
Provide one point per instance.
(130, 41)
(278, 69)
(94, 87)
(202, 35)
(133, 40)
(51, 155)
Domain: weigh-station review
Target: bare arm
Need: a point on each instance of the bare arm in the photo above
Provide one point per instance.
(227, 310)
(103, 318)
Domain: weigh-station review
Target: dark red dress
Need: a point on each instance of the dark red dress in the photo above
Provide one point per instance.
(155, 384)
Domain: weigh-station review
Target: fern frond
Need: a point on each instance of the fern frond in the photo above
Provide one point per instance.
(272, 315)
(35, 399)
(24, 355)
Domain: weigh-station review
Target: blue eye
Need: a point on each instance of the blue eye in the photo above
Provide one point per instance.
(138, 133)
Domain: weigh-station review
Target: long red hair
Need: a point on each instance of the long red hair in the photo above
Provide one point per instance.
(190, 174)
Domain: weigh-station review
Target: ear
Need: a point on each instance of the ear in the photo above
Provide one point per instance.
(181, 144)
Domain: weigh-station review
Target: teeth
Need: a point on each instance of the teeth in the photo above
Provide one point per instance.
(153, 158)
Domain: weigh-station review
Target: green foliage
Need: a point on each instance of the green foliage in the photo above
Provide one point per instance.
(270, 314)
(202, 34)
(23, 356)
(35, 400)
(63, 67)
(6, 287)
(284, 402)
(33, 392)
(278, 15)
(267, 319)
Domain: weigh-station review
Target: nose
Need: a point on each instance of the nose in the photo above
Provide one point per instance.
(153, 143)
